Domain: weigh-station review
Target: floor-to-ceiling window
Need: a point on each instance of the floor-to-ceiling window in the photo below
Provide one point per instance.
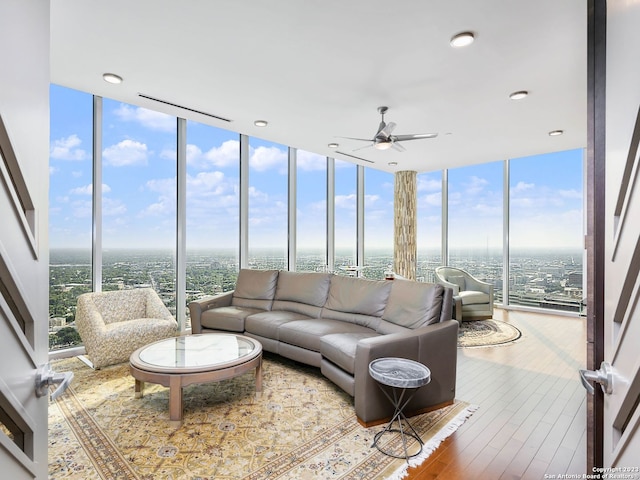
(70, 207)
(212, 226)
(268, 187)
(475, 221)
(378, 223)
(546, 231)
(345, 216)
(429, 225)
(138, 223)
(311, 212)
(138, 199)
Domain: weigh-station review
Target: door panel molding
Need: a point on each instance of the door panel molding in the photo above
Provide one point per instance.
(14, 305)
(17, 188)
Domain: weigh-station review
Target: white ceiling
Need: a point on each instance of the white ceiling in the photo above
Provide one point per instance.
(318, 70)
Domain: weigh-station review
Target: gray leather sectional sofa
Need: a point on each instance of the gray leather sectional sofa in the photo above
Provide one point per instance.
(340, 324)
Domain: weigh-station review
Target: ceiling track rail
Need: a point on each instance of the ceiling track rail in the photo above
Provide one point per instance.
(353, 156)
(200, 112)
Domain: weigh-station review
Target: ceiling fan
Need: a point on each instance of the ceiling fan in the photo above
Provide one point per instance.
(383, 139)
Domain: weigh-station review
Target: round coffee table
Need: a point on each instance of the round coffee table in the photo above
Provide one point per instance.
(181, 361)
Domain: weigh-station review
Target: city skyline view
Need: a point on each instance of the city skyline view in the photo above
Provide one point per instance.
(139, 177)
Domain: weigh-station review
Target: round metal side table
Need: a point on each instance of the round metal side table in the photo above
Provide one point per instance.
(401, 375)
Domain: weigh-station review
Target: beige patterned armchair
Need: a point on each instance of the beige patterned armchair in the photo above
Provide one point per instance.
(114, 324)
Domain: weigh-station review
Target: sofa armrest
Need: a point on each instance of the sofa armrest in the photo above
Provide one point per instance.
(452, 286)
(435, 346)
(198, 306)
(457, 309)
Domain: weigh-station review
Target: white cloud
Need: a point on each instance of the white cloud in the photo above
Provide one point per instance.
(88, 189)
(522, 187)
(428, 184)
(166, 201)
(430, 200)
(147, 118)
(346, 201)
(311, 162)
(67, 149)
(82, 208)
(571, 194)
(371, 200)
(475, 185)
(265, 158)
(207, 184)
(225, 155)
(257, 195)
(126, 153)
(113, 207)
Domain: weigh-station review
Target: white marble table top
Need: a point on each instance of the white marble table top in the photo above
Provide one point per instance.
(399, 372)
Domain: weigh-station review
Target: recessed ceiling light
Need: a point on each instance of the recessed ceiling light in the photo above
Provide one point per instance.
(519, 95)
(392, 164)
(333, 145)
(112, 78)
(555, 133)
(260, 123)
(462, 39)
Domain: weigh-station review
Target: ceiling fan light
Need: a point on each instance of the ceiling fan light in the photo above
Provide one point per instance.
(462, 39)
(382, 145)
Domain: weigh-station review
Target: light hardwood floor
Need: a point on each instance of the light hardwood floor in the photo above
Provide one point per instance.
(531, 419)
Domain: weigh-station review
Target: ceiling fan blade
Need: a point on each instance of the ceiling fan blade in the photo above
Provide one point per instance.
(398, 147)
(386, 131)
(366, 146)
(359, 139)
(416, 136)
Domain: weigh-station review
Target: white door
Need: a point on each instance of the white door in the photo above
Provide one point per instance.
(621, 442)
(24, 175)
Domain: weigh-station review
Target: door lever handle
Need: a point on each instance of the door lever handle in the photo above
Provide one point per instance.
(46, 377)
(603, 376)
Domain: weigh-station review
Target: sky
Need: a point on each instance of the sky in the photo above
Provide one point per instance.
(139, 190)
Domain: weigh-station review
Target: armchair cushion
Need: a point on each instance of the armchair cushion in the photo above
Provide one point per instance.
(470, 297)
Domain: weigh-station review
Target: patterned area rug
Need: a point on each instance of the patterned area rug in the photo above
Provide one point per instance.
(487, 333)
(301, 427)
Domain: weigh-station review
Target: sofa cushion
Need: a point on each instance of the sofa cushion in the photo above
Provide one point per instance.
(266, 324)
(255, 289)
(471, 297)
(340, 348)
(414, 304)
(308, 333)
(362, 320)
(358, 295)
(308, 288)
(226, 318)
